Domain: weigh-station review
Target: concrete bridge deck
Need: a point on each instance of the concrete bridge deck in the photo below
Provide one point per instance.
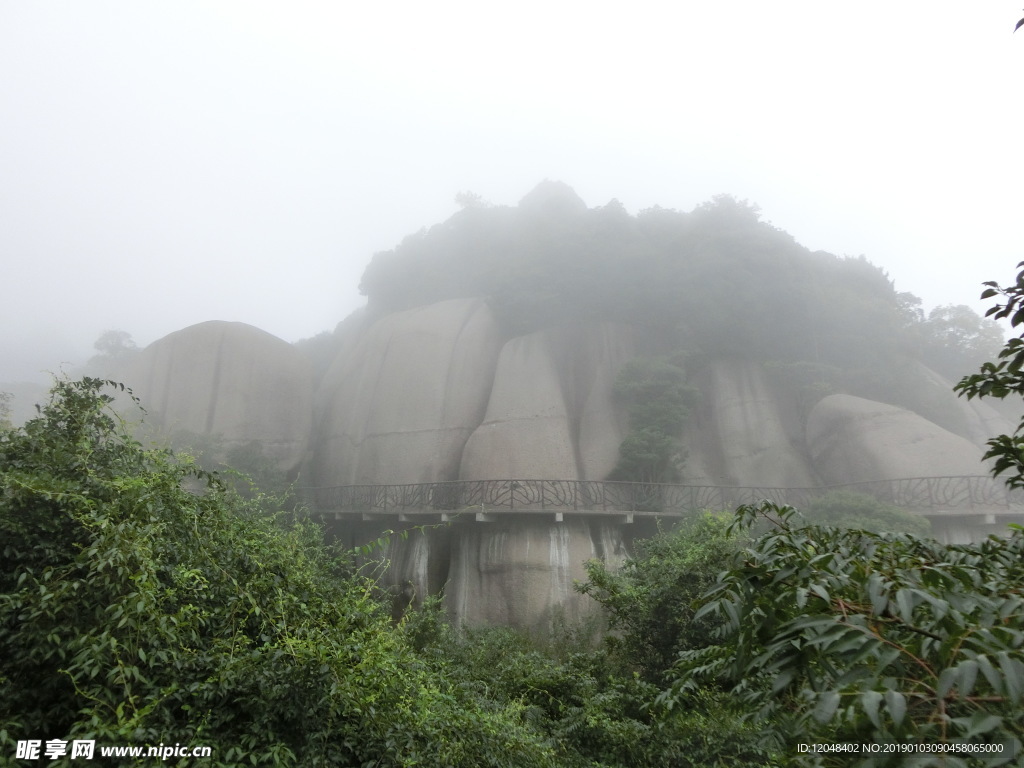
(968, 496)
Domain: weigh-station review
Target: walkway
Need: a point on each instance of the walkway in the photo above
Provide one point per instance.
(486, 500)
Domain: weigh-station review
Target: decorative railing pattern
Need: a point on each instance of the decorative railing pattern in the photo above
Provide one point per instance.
(591, 496)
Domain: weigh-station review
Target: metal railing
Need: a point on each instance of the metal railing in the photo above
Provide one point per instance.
(592, 496)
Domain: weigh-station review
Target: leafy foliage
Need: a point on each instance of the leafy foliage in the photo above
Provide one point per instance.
(846, 509)
(142, 601)
(844, 635)
(5, 410)
(244, 467)
(649, 600)
(592, 713)
(1003, 378)
(658, 400)
(954, 338)
(115, 351)
(551, 259)
(115, 344)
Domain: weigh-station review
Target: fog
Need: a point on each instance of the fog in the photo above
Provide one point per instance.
(162, 165)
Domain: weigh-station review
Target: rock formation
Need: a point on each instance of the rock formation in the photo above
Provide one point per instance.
(399, 406)
(550, 414)
(439, 393)
(853, 440)
(522, 574)
(745, 432)
(490, 348)
(230, 381)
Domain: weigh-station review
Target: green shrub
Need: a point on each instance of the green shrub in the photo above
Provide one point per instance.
(846, 509)
(592, 714)
(837, 635)
(143, 601)
(649, 600)
(658, 400)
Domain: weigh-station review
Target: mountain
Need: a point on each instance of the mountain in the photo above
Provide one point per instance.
(551, 341)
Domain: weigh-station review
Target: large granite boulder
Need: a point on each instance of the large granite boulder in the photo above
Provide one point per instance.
(851, 440)
(229, 381)
(551, 413)
(521, 573)
(974, 419)
(398, 406)
(744, 432)
(527, 430)
(603, 423)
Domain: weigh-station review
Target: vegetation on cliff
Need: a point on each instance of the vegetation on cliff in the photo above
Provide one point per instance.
(718, 279)
(649, 601)
(657, 400)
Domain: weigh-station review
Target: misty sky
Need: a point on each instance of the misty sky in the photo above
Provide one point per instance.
(162, 164)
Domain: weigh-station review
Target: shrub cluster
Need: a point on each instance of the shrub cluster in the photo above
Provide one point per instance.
(143, 601)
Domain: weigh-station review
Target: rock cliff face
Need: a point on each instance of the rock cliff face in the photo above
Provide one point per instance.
(522, 575)
(550, 414)
(852, 439)
(232, 381)
(974, 419)
(437, 393)
(746, 433)
(400, 405)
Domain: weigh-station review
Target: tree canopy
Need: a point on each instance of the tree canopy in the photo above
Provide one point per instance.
(718, 280)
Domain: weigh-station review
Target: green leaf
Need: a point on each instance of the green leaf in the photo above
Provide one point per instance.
(991, 674)
(978, 724)
(869, 702)
(905, 601)
(820, 591)
(782, 680)
(877, 594)
(1013, 676)
(897, 706)
(826, 706)
(801, 597)
(947, 678)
